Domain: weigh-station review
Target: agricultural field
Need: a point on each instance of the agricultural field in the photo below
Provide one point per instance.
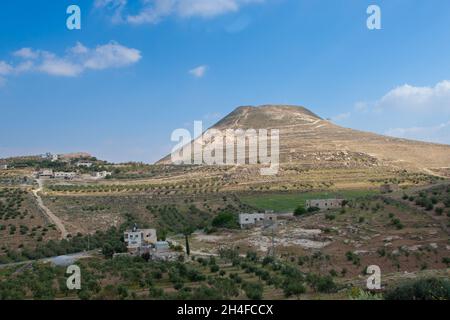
(86, 214)
(227, 276)
(22, 224)
(288, 202)
(371, 229)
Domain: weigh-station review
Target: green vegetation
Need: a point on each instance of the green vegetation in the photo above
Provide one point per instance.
(225, 220)
(288, 202)
(353, 257)
(109, 241)
(422, 289)
(299, 211)
(134, 277)
(11, 201)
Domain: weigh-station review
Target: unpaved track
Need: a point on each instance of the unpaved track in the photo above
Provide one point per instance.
(52, 217)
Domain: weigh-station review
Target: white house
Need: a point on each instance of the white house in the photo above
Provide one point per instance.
(247, 220)
(138, 238)
(65, 175)
(45, 174)
(3, 166)
(325, 204)
(101, 174)
(84, 164)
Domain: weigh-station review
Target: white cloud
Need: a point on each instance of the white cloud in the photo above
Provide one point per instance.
(111, 55)
(439, 133)
(153, 11)
(5, 68)
(77, 60)
(199, 71)
(412, 99)
(26, 53)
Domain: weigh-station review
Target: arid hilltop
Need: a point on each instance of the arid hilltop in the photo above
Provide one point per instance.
(307, 139)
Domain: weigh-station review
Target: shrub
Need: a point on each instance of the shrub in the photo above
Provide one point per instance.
(253, 290)
(225, 220)
(299, 211)
(323, 284)
(293, 288)
(423, 289)
(214, 268)
(313, 209)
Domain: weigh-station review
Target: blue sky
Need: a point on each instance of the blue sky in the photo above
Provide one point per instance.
(137, 70)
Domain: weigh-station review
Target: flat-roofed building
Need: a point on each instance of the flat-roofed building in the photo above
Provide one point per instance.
(324, 204)
(65, 175)
(248, 220)
(138, 238)
(45, 174)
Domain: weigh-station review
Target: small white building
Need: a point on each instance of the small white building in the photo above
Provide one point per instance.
(247, 220)
(101, 174)
(84, 164)
(325, 204)
(138, 238)
(65, 175)
(45, 174)
(3, 166)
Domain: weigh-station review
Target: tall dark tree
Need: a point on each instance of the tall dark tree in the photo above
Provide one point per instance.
(187, 232)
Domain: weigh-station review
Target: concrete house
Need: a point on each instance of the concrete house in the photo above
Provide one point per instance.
(45, 174)
(248, 220)
(101, 174)
(65, 175)
(84, 164)
(139, 238)
(324, 204)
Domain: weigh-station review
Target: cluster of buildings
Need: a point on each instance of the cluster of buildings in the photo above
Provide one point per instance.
(269, 218)
(50, 174)
(145, 241)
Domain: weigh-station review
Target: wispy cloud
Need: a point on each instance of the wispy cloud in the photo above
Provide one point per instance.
(412, 99)
(411, 112)
(74, 62)
(199, 71)
(153, 11)
(439, 133)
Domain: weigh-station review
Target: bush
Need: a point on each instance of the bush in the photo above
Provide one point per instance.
(225, 220)
(214, 268)
(300, 211)
(423, 289)
(254, 291)
(293, 288)
(323, 284)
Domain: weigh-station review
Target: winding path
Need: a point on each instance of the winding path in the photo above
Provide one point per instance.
(52, 217)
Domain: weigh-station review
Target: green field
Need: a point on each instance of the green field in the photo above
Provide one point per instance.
(287, 202)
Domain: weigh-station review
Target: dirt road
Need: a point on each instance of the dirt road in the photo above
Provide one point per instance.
(52, 217)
